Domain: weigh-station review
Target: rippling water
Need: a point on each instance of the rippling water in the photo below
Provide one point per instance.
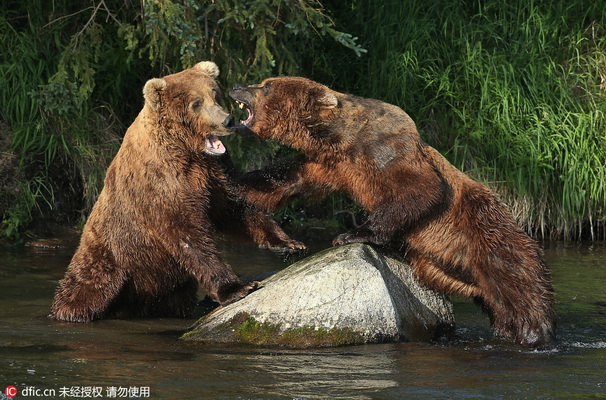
(144, 357)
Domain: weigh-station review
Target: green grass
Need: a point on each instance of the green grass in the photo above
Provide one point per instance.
(513, 93)
(64, 143)
(19, 75)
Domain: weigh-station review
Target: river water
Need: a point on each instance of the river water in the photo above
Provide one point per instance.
(144, 358)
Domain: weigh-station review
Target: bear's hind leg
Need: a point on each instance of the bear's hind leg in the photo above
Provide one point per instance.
(518, 299)
(529, 325)
(433, 276)
(86, 291)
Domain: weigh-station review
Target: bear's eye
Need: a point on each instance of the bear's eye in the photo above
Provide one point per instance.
(217, 95)
(266, 88)
(196, 104)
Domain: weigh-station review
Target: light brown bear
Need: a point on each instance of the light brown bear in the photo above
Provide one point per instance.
(456, 234)
(151, 236)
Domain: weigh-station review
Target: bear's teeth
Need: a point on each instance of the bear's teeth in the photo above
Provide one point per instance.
(241, 105)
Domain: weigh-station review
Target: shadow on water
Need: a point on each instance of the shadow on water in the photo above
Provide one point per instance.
(147, 353)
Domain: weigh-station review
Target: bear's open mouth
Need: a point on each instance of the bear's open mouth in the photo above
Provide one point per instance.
(213, 144)
(248, 109)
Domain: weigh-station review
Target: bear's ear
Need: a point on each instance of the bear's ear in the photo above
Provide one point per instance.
(152, 90)
(209, 68)
(328, 100)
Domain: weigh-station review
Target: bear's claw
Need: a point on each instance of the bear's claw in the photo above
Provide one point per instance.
(244, 291)
(289, 247)
(347, 238)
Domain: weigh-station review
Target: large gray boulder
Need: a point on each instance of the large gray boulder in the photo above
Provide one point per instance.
(344, 295)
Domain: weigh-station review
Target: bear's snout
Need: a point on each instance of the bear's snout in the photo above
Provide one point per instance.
(229, 122)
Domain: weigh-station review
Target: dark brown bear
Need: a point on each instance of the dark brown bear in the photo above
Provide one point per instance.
(455, 232)
(150, 238)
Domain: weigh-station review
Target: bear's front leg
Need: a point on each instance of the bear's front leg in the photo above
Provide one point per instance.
(266, 233)
(378, 229)
(242, 218)
(355, 236)
(231, 293)
(202, 261)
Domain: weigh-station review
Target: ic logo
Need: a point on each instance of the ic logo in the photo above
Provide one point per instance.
(10, 391)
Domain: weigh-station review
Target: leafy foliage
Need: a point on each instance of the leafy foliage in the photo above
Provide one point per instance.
(511, 92)
(69, 70)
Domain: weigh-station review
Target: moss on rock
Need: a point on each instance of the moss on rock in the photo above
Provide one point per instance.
(245, 329)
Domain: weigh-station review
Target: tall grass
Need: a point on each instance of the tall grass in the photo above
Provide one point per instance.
(63, 145)
(513, 93)
(18, 79)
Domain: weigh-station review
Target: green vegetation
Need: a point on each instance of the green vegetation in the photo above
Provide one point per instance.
(70, 70)
(513, 93)
(252, 331)
(244, 329)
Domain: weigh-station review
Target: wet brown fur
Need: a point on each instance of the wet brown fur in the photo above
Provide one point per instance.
(456, 234)
(151, 236)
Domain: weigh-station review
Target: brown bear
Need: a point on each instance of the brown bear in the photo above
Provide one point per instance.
(456, 234)
(150, 238)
